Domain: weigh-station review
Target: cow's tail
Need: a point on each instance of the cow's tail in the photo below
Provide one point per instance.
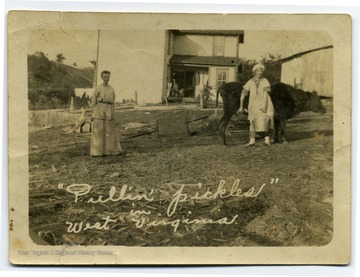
(217, 101)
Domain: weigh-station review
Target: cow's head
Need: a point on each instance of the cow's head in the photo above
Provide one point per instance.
(314, 103)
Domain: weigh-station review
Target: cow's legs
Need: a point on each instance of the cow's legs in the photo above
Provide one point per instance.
(223, 124)
(282, 130)
(277, 137)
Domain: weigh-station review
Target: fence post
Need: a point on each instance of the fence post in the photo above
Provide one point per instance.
(71, 104)
(135, 97)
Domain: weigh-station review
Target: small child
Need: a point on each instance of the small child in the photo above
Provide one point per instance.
(259, 101)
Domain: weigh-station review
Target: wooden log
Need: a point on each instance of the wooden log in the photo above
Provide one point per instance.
(141, 134)
(197, 119)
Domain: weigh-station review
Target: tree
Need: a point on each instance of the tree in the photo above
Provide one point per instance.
(75, 64)
(60, 58)
(272, 68)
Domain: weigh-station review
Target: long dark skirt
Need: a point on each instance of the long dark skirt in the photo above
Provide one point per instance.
(104, 140)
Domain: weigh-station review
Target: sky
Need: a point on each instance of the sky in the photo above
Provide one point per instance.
(79, 46)
(281, 43)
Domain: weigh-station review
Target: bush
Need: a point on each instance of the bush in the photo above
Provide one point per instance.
(205, 95)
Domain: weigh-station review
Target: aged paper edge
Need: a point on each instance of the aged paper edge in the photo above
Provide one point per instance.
(338, 26)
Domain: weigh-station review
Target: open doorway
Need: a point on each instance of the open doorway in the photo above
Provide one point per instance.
(183, 83)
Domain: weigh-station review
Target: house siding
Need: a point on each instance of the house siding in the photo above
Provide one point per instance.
(231, 47)
(136, 61)
(196, 45)
(312, 71)
(203, 45)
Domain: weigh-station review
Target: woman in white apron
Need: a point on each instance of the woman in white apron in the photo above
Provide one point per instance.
(259, 102)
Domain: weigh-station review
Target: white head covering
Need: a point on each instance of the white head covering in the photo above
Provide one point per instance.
(257, 66)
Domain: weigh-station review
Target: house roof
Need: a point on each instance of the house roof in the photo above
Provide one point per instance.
(209, 32)
(204, 60)
(304, 52)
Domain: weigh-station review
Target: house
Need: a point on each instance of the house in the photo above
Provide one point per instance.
(147, 63)
(310, 70)
(198, 58)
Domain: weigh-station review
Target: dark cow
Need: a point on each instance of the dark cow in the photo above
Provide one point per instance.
(230, 94)
(288, 102)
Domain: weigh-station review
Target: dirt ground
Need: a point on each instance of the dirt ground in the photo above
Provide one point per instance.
(294, 208)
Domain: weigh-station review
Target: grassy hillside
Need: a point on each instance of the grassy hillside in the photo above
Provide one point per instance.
(51, 84)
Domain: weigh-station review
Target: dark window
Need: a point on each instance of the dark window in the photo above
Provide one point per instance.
(240, 68)
(241, 39)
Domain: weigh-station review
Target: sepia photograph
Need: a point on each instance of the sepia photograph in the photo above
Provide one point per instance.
(177, 135)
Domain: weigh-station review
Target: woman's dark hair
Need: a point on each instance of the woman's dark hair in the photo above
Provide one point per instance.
(105, 72)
